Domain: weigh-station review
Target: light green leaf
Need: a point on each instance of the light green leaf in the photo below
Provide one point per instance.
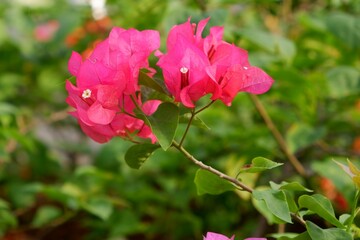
(164, 123)
(207, 182)
(260, 164)
(261, 206)
(45, 215)
(99, 206)
(321, 206)
(293, 186)
(7, 219)
(344, 218)
(317, 233)
(346, 28)
(291, 236)
(275, 201)
(136, 155)
(302, 135)
(343, 81)
(272, 43)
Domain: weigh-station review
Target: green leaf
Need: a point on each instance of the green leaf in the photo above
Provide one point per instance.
(344, 218)
(260, 164)
(343, 81)
(7, 220)
(207, 182)
(293, 186)
(272, 43)
(317, 233)
(261, 206)
(164, 123)
(291, 236)
(321, 206)
(275, 201)
(136, 155)
(99, 206)
(147, 81)
(302, 135)
(45, 214)
(346, 28)
(196, 121)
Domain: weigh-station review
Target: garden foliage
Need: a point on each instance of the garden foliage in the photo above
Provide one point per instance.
(188, 150)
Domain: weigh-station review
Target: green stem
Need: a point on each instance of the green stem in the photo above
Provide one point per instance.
(222, 175)
(187, 127)
(205, 107)
(211, 169)
(353, 210)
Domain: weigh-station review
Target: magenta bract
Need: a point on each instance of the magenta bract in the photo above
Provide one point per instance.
(194, 66)
(217, 236)
(106, 80)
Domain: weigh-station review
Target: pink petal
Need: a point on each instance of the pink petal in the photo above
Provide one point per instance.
(217, 236)
(100, 134)
(244, 79)
(185, 30)
(146, 132)
(150, 106)
(256, 81)
(100, 115)
(74, 63)
(228, 55)
(108, 96)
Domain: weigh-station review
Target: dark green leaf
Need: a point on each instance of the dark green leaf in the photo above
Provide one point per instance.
(136, 155)
(164, 123)
(260, 164)
(321, 206)
(207, 182)
(275, 201)
(147, 81)
(317, 233)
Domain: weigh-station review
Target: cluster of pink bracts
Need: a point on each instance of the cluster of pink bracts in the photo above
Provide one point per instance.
(107, 91)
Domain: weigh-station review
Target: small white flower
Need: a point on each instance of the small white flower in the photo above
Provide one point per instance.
(86, 94)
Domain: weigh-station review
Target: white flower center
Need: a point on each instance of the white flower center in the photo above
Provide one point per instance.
(86, 93)
(184, 70)
(245, 68)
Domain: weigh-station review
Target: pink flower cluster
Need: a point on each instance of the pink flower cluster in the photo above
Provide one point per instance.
(107, 85)
(195, 66)
(217, 236)
(107, 91)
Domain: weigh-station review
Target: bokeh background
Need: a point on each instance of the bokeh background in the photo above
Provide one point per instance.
(55, 183)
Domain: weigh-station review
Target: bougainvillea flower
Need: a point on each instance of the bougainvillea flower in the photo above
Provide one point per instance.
(194, 66)
(106, 80)
(217, 236)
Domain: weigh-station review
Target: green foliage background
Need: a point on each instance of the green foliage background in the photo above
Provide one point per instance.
(55, 183)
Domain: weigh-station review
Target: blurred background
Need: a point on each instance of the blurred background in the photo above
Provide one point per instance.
(55, 183)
